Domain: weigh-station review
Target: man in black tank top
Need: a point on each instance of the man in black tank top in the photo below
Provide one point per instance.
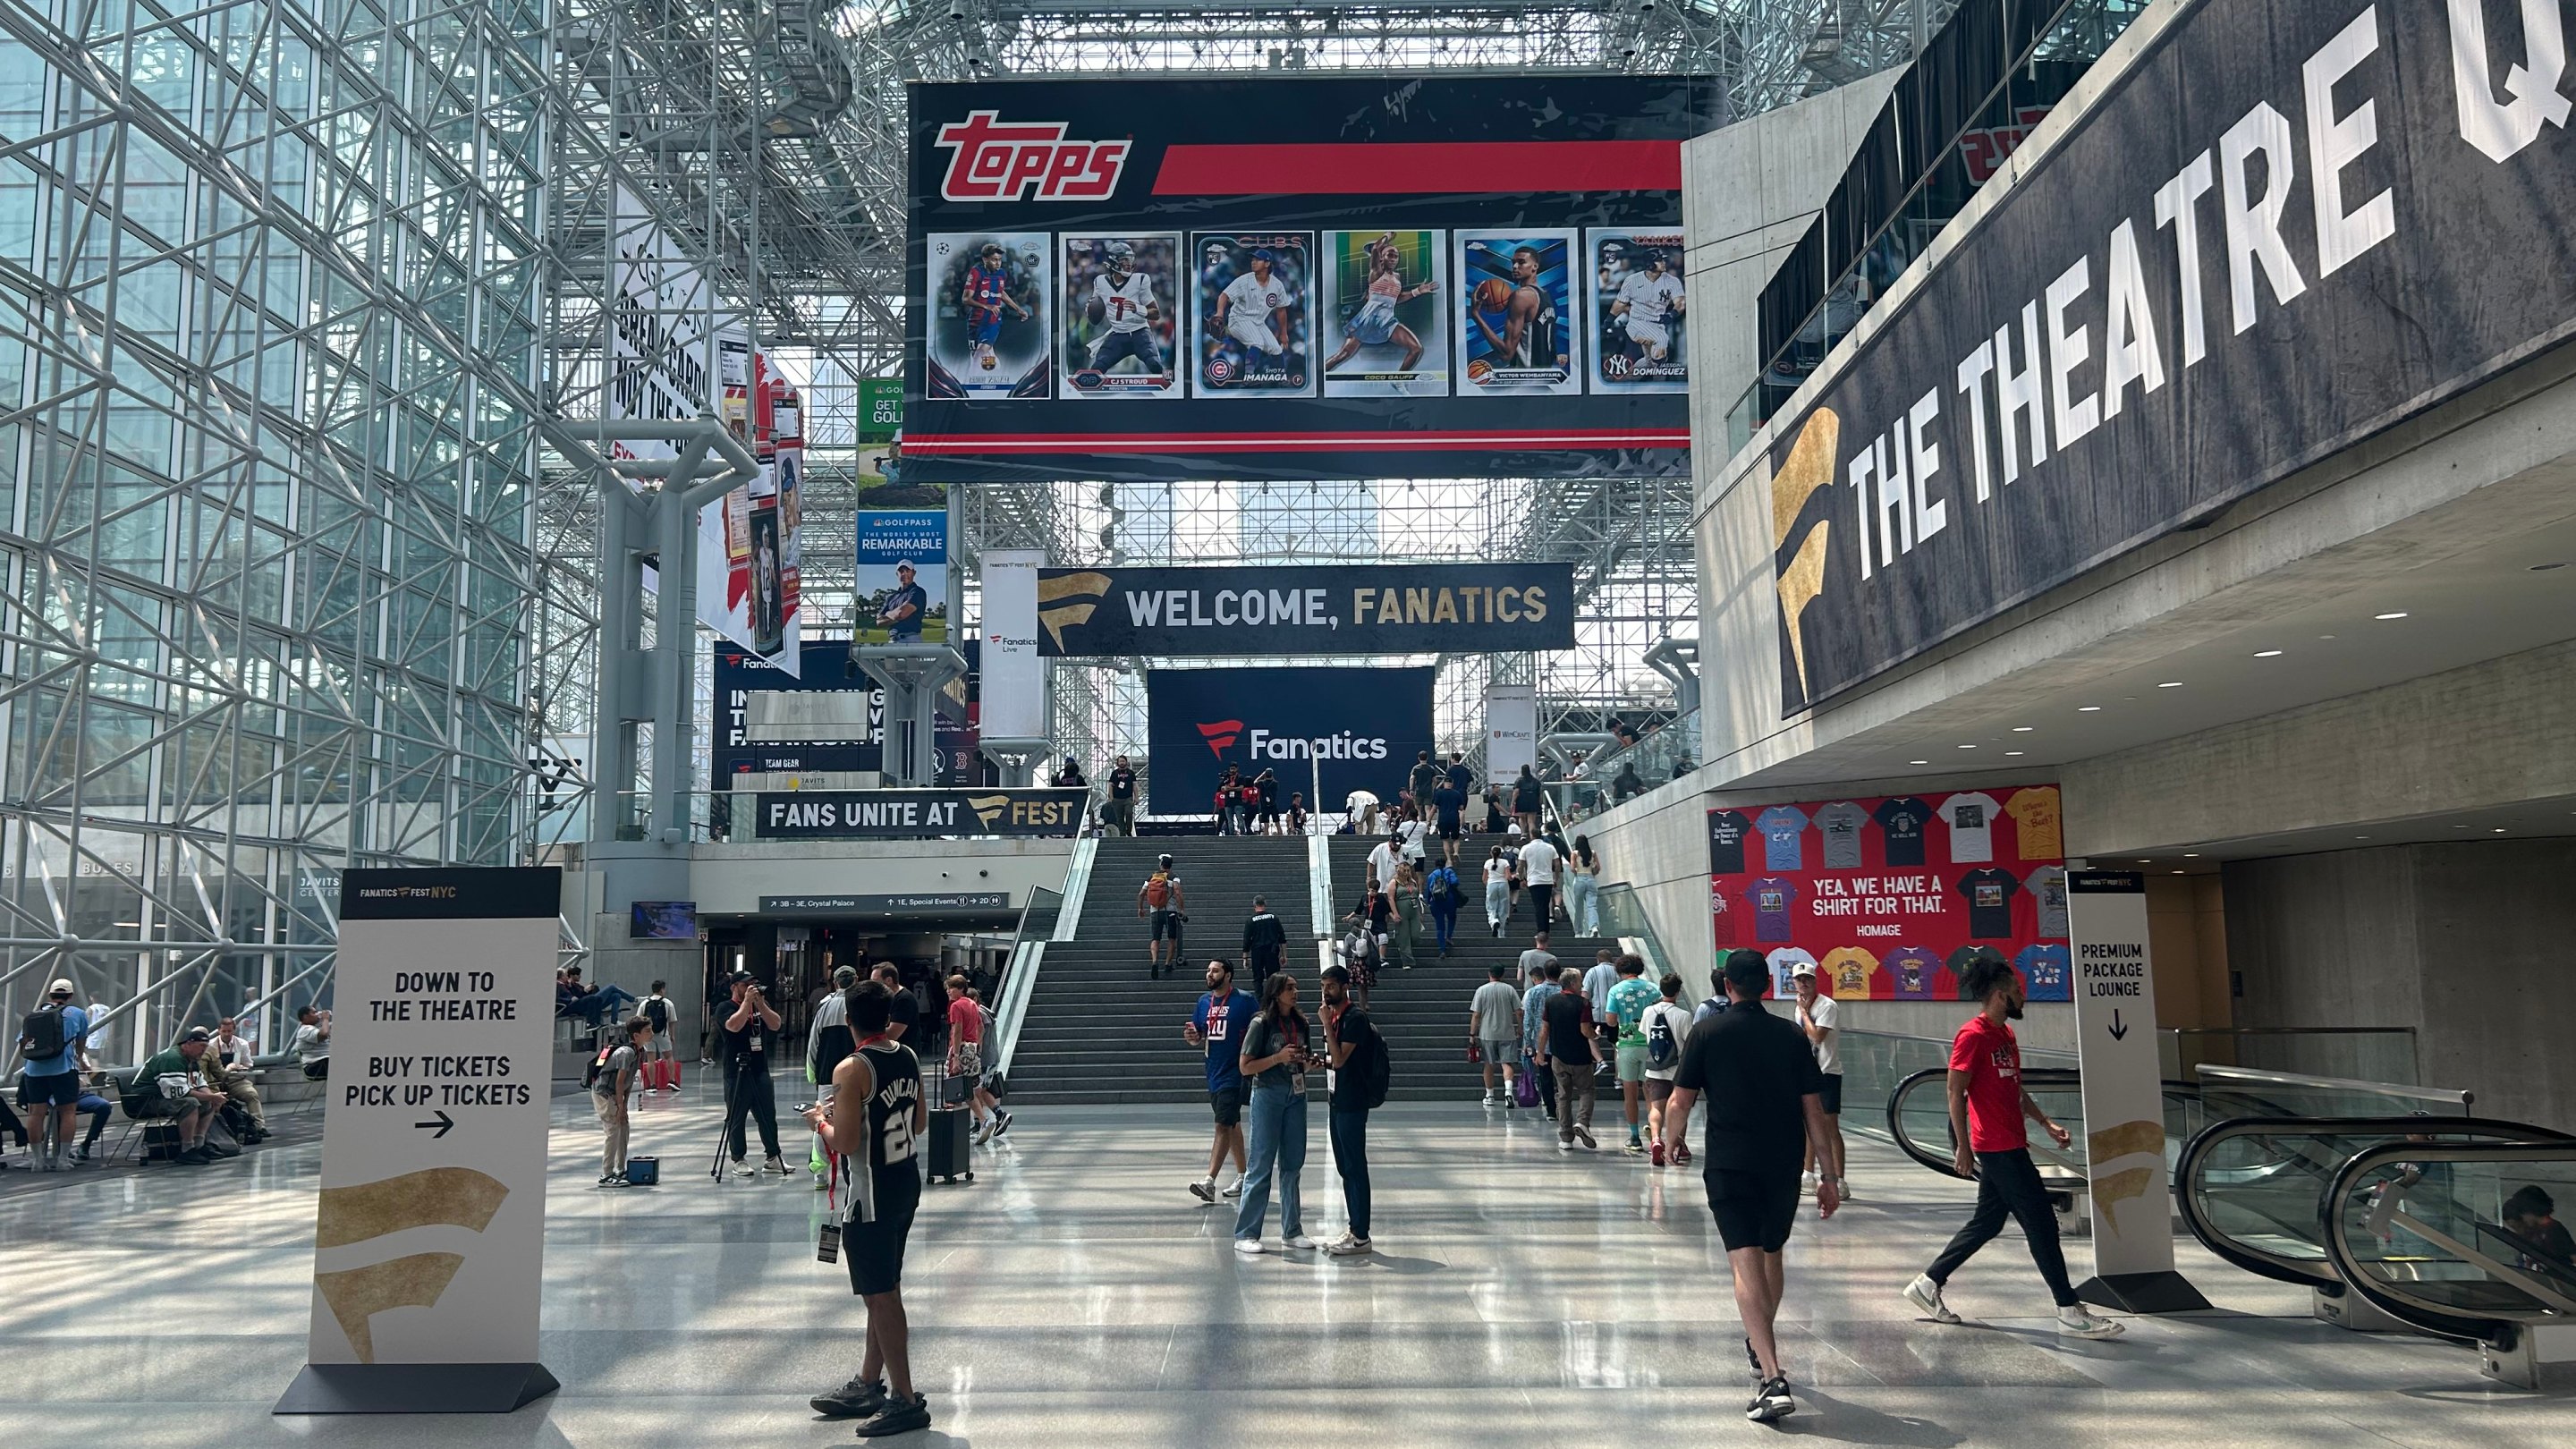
(871, 1127)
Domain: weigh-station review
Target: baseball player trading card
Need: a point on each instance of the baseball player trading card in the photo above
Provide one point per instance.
(990, 308)
(1254, 318)
(1638, 307)
(1515, 310)
(1382, 314)
(1121, 316)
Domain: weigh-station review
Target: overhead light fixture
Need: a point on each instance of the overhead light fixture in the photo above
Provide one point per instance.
(2013, 752)
(2392, 614)
(2088, 709)
(2191, 855)
(2023, 729)
(2499, 830)
(2170, 684)
(2544, 568)
(2181, 872)
(1918, 762)
(2267, 653)
(2361, 837)
(1967, 747)
(2143, 861)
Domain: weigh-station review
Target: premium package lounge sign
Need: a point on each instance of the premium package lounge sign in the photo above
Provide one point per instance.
(1254, 610)
(2281, 229)
(429, 1237)
(917, 814)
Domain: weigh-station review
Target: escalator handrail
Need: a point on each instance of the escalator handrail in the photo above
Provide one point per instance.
(2227, 1076)
(2439, 1322)
(2321, 1275)
(2033, 1079)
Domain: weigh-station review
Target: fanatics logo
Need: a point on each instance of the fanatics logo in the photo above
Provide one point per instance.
(1221, 736)
(994, 160)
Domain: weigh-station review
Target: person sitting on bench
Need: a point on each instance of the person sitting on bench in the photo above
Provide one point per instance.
(172, 1086)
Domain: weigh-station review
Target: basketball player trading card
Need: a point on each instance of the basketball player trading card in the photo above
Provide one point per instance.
(1121, 316)
(1383, 291)
(1254, 316)
(1515, 311)
(1638, 307)
(989, 315)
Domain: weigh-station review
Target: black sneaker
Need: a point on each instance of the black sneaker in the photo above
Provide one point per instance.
(1771, 1402)
(898, 1418)
(1001, 1122)
(1753, 1361)
(860, 1398)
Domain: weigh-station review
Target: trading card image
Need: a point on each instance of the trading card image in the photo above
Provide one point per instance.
(1639, 310)
(1515, 311)
(990, 315)
(1122, 303)
(1254, 314)
(1384, 291)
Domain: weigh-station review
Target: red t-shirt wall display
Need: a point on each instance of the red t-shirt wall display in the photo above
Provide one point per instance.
(1892, 896)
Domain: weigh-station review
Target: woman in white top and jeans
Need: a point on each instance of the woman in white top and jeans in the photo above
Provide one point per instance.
(1498, 889)
(1581, 877)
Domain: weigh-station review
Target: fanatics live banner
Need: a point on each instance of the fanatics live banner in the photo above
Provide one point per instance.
(1355, 729)
(1892, 897)
(1230, 612)
(916, 814)
(1141, 280)
(2279, 229)
(429, 1231)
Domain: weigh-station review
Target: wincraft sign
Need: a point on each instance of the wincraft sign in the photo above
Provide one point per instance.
(1359, 729)
(1327, 609)
(917, 814)
(2279, 230)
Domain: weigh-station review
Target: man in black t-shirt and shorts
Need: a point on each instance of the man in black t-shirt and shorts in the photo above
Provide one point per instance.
(1763, 1106)
(1118, 813)
(872, 1126)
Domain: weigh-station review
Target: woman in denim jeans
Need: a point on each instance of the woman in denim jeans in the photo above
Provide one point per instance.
(1275, 1059)
(1582, 876)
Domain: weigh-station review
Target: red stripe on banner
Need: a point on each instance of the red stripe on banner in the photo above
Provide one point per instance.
(969, 443)
(1432, 168)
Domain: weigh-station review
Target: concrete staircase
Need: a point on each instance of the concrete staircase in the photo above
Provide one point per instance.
(1098, 1029)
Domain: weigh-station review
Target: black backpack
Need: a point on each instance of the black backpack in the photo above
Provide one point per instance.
(658, 1012)
(41, 1036)
(1369, 1073)
(1663, 1050)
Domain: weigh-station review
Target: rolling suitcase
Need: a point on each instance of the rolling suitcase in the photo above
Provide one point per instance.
(951, 1129)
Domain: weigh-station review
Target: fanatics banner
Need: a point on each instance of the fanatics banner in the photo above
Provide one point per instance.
(1286, 609)
(1354, 729)
(1890, 897)
(916, 814)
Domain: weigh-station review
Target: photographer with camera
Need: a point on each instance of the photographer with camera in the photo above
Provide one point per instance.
(746, 1037)
(872, 1126)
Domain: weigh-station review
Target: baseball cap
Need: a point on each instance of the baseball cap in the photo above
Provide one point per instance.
(1264, 254)
(740, 976)
(905, 564)
(1803, 968)
(196, 1033)
(845, 977)
(62, 987)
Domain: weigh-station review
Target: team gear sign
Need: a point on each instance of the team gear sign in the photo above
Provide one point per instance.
(996, 160)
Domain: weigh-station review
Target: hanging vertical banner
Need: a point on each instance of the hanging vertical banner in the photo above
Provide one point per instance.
(1014, 675)
(750, 542)
(429, 1233)
(2124, 1100)
(1511, 730)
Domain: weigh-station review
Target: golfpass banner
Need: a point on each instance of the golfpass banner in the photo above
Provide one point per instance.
(429, 1237)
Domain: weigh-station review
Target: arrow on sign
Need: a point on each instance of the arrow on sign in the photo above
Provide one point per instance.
(445, 1124)
(2119, 1032)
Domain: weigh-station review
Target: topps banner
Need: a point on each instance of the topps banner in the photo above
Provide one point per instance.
(1221, 612)
(1330, 277)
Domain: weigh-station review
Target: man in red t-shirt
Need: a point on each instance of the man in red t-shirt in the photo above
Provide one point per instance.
(1987, 1108)
(966, 1054)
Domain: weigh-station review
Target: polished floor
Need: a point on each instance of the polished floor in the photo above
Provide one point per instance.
(1074, 1294)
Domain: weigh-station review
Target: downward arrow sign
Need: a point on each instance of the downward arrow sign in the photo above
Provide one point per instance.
(445, 1124)
(2119, 1032)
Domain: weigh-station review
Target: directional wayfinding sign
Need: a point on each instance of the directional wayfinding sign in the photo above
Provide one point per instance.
(429, 1236)
(2124, 1099)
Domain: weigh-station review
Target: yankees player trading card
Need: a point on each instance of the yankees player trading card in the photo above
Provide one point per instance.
(1514, 307)
(1121, 316)
(990, 315)
(1638, 307)
(1383, 293)
(1254, 319)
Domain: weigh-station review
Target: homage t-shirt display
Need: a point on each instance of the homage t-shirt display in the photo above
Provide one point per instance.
(1784, 961)
(1956, 978)
(1726, 832)
(1771, 898)
(1901, 822)
(2035, 817)
(1912, 974)
(1840, 824)
(2046, 973)
(1971, 818)
(1847, 971)
(1721, 913)
(1989, 892)
(2047, 886)
(1780, 826)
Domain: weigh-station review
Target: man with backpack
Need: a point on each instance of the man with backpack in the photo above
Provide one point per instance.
(1265, 942)
(828, 1038)
(49, 1087)
(1628, 1000)
(1161, 896)
(661, 1066)
(1360, 1078)
(1668, 1025)
(1441, 896)
(612, 1086)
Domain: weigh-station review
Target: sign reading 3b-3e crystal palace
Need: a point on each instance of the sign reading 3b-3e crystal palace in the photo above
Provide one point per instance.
(1324, 277)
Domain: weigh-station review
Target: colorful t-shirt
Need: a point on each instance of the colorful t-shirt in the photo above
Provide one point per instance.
(1784, 961)
(2046, 972)
(1628, 1002)
(1900, 824)
(1726, 832)
(1971, 818)
(1911, 974)
(1955, 979)
(1989, 892)
(1220, 1021)
(1840, 824)
(1847, 970)
(2047, 886)
(1781, 826)
(2035, 816)
(1771, 898)
(1721, 916)
(1987, 1052)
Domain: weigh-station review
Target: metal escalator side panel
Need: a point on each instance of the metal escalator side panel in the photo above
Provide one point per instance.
(1934, 1079)
(2493, 1322)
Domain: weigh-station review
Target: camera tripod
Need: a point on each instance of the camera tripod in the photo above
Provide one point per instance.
(737, 1073)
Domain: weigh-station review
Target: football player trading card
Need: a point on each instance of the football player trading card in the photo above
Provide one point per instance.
(1515, 311)
(1383, 293)
(1254, 319)
(1121, 316)
(989, 314)
(1638, 341)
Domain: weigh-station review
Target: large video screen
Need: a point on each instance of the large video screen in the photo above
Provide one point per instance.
(1343, 728)
(1163, 280)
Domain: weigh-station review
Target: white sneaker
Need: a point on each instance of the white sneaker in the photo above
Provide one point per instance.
(1807, 1184)
(1842, 1188)
(1564, 1145)
(2077, 1321)
(1298, 1241)
(1233, 1189)
(1249, 1247)
(1347, 1246)
(1489, 1099)
(1925, 1294)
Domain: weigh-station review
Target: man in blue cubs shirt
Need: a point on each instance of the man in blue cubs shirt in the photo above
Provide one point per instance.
(986, 293)
(1216, 1027)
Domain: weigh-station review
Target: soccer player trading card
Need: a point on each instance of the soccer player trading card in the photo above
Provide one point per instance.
(1638, 339)
(1515, 311)
(1254, 317)
(989, 315)
(1121, 316)
(1383, 294)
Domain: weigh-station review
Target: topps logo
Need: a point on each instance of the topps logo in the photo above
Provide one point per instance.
(995, 160)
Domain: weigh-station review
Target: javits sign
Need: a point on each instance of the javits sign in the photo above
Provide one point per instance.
(1354, 609)
(1326, 277)
(1361, 727)
(2280, 229)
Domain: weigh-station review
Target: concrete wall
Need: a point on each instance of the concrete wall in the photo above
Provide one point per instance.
(2467, 943)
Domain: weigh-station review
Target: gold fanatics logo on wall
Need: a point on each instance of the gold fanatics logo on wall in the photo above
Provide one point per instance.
(1809, 466)
(1056, 614)
(988, 808)
(363, 1212)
